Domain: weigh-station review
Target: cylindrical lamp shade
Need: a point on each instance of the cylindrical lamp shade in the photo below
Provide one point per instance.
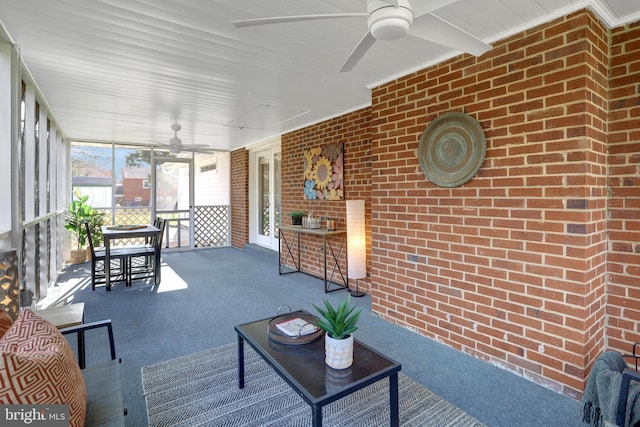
(356, 240)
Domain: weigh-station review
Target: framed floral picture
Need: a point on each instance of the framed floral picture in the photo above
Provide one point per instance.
(324, 172)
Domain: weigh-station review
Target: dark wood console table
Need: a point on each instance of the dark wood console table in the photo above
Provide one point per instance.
(286, 245)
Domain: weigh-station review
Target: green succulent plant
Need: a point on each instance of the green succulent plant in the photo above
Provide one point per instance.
(339, 322)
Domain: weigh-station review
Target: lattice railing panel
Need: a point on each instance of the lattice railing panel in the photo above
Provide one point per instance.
(128, 216)
(211, 226)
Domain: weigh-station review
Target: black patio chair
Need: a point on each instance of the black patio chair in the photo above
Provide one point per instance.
(118, 258)
(142, 258)
(628, 377)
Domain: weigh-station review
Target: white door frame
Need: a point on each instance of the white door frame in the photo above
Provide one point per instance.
(270, 148)
(190, 164)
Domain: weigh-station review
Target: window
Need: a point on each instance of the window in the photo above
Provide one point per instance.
(146, 183)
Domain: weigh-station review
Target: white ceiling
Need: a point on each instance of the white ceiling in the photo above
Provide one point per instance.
(124, 70)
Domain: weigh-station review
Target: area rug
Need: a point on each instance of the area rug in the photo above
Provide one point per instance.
(201, 389)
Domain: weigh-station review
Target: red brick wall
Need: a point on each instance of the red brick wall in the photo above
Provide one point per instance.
(509, 267)
(534, 263)
(239, 198)
(623, 295)
(354, 130)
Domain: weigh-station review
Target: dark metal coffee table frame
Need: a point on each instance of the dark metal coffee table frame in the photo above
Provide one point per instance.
(304, 369)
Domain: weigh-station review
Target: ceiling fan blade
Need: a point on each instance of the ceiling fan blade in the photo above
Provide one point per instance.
(199, 148)
(431, 28)
(202, 151)
(194, 146)
(175, 149)
(356, 55)
(422, 7)
(284, 19)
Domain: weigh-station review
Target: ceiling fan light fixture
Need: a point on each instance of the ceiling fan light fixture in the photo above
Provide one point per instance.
(390, 22)
(390, 29)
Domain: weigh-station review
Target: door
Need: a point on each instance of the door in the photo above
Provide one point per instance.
(266, 200)
(173, 193)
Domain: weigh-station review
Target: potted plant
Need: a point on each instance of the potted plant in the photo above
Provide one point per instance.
(339, 323)
(296, 217)
(96, 221)
(77, 214)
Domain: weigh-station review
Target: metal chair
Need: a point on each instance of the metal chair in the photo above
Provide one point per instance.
(628, 375)
(144, 260)
(98, 255)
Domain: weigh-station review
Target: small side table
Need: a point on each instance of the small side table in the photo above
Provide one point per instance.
(65, 316)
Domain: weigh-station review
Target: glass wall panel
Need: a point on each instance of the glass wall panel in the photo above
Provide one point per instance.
(132, 166)
(263, 195)
(118, 181)
(277, 188)
(92, 173)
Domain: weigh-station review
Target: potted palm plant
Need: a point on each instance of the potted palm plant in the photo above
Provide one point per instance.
(339, 323)
(77, 214)
(96, 221)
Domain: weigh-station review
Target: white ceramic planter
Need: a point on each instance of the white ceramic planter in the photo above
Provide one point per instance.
(338, 353)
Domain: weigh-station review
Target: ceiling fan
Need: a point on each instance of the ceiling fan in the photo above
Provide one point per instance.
(391, 20)
(176, 146)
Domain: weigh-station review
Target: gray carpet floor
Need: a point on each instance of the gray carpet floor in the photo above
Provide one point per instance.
(201, 389)
(204, 293)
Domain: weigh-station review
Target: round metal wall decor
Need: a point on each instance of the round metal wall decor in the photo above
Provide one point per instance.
(452, 149)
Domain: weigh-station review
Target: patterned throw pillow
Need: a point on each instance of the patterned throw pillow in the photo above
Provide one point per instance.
(5, 322)
(37, 366)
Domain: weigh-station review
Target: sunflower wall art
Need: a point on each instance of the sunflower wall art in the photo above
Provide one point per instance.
(324, 172)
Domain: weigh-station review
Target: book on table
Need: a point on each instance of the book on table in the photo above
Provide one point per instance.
(296, 327)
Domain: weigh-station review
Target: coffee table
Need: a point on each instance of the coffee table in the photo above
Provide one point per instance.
(304, 369)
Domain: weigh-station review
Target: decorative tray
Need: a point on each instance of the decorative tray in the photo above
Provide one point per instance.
(295, 328)
(126, 227)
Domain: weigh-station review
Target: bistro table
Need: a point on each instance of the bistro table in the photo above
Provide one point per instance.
(113, 232)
